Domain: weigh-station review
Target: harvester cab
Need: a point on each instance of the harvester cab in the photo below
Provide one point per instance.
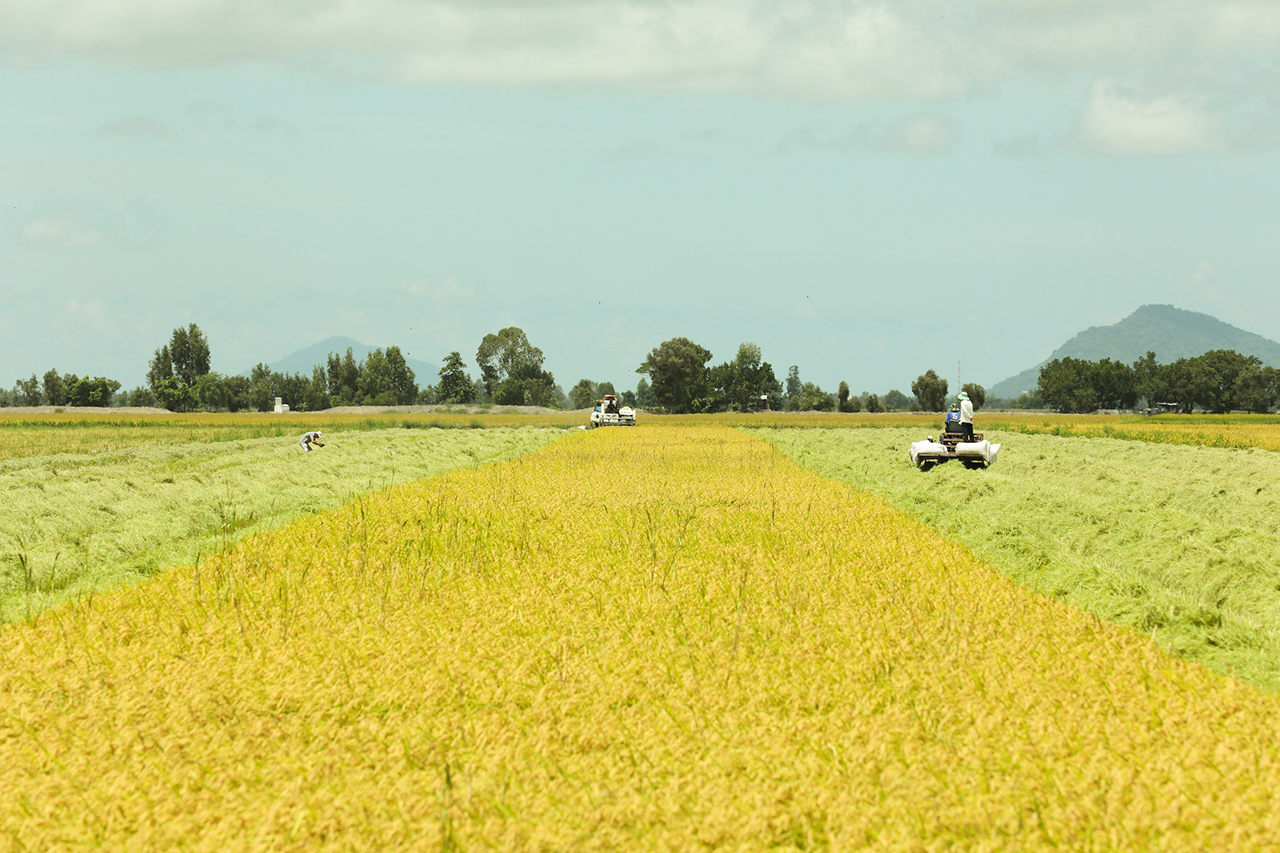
(607, 412)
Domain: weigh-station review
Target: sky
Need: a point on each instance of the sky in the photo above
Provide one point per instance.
(867, 190)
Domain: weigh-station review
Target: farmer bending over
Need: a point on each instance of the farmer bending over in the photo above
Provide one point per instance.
(308, 439)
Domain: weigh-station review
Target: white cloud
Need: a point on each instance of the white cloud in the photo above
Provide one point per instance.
(1123, 119)
(1193, 69)
(61, 232)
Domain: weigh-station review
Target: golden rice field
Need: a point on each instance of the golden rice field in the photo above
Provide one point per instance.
(651, 639)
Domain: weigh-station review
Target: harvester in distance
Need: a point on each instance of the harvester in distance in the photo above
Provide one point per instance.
(950, 444)
(608, 413)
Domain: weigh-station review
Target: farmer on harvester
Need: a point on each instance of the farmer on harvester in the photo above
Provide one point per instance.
(951, 420)
(966, 417)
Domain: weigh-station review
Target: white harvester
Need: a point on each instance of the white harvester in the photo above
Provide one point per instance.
(608, 413)
(978, 453)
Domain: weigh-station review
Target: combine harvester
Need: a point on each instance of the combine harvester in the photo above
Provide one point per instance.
(978, 453)
(607, 413)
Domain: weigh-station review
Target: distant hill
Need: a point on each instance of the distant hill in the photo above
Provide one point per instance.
(304, 360)
(1171, 333)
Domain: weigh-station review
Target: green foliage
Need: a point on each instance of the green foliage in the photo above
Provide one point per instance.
(142, 397)
(26, 392)
(97, 391)
(977, 394)
(678, 371)
(896, 401)
(842, 397)
(173, 394)
(583, 395)
(793, 383)
(1066, 385)
(511, 370)
(645, 398)
(931, 391)
(344, 379)
(811, 398)
(1217, 381)
(55, 390)
(455, 385)
(740, 384)
(874, 406)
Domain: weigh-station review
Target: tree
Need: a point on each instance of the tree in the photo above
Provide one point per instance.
(793, 382)
(1113, 384)
(55, 390)
(742, 382)
(211, 394)
(842, 397)
(403, 382)
(873, 404)
(160, 368)
(811, 398)
(316, 397)
(931, 391)
(644, 395)
(142, 396)
(190, 352)
(1221, 369)
(678, 370)
(1257, 389)
(511, 370)
(185, 357)
(977, 394)
(97, 391)
(1150, 380)
(455, 385)
(173, 394)
(376, 385)
(896, 401)
(261, 389)
(583, 395)
(1065, 384)
(344, 379)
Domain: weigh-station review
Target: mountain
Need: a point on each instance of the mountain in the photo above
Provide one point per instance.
(1171, 333)
(304, 360)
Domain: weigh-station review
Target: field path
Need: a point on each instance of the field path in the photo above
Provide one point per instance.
(656, 639)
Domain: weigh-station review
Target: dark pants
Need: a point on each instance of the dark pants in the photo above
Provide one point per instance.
(966, 432)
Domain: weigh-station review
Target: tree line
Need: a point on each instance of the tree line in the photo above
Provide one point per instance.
(684, 381)
(677, 377)
(1218, 381)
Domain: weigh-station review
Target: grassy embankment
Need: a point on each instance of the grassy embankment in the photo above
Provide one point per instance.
(72, 523)
(1178, 542)
(632, 639)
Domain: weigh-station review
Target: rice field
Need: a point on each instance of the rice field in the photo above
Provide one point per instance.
(73, 431)
(1177, 542)
(656, 639)
(76, 523)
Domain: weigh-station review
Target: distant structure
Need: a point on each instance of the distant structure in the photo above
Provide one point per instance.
(281, 406)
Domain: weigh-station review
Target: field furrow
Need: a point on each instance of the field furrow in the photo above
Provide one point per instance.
(669, 638)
